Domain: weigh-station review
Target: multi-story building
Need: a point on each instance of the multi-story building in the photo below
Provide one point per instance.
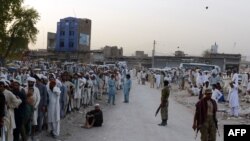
(140, 54)
(112, 51)
(73, 35)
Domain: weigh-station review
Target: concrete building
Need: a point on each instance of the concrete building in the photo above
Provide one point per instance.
(71, 42)
(97, 57)
(73, 34)
(112, 52)
(140, 54)
(51, 41)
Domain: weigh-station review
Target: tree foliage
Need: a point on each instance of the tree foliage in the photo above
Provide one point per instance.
(206, 53)
(17, 28)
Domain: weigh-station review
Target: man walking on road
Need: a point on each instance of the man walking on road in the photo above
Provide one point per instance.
(205, 117)
(126, 88)
(164, 103)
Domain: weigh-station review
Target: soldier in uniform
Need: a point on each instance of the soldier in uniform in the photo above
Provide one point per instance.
(164, 103)
(205, 117)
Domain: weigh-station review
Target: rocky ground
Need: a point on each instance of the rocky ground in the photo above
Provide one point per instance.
(184, 98)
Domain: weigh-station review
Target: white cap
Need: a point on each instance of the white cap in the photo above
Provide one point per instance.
(8, 82)
(97, 105)
(44, 77)
(4, 82)
(31, 79)
(39, 76)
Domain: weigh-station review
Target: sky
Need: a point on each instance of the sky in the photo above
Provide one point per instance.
(135, 24)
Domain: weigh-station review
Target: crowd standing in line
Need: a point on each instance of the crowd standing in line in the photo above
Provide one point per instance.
(33, 100)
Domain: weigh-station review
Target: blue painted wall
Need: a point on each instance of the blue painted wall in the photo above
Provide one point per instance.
(67, 35)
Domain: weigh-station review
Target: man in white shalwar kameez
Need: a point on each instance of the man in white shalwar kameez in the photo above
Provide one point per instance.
(77, 94)
(199, 80)
(233, 99)
(12, 102)
(216, 95)
(53, 108)
(235, 78)
(139, 76)
(89, 86)
(158, 80)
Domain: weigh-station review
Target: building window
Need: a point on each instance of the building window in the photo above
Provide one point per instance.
(71, 43)
(61, 44)
(71, 33)
(62, 33)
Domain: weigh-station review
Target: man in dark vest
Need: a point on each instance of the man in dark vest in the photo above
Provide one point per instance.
(94, 118)
(205, 117)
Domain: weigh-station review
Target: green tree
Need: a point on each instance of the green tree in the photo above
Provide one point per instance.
(206, 53)
(17, 28)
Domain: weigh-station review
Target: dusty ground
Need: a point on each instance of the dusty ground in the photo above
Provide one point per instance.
(123, 123)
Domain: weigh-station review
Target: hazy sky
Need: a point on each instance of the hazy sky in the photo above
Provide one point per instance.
(134, 24)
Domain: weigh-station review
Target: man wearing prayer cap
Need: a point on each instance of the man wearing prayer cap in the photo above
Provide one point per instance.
(94, 118)
(31, 79)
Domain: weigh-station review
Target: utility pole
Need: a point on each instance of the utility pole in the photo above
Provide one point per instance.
(153, 55)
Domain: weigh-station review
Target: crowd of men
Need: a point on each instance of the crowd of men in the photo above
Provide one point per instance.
(32, 101)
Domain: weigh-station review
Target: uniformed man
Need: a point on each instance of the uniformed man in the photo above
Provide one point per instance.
(205, 117)
(164, 103)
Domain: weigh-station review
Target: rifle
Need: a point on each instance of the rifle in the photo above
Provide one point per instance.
(197, 130)
(158, 109)
(216, 125)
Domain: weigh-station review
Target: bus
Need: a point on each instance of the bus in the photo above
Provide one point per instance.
(203, 67)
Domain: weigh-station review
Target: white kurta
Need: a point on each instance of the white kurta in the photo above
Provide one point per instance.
(54, 104)
(9, 120)
(78, 89)
(206, 78)
(244, 80)
(195, 91)
(158, 80)
(199, 80)
(235, 79)
(233, 97)
(216, 95)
